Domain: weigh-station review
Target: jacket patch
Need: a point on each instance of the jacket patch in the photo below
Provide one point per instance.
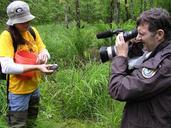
(148, 73)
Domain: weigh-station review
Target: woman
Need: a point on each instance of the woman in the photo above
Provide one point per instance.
(23, 96)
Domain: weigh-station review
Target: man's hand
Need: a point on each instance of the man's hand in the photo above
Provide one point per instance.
(121, 47)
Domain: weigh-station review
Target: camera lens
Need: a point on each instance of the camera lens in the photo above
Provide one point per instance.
(103, 54)
(129, 35)
(107, 53)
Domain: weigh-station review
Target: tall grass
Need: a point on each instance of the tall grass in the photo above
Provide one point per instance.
(70, 45)
(81, 94)
(76, 95)
(3, 97)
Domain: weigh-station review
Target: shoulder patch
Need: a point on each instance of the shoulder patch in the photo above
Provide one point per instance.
(148, 73)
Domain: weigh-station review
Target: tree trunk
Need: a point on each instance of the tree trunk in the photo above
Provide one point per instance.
(145, 5)
(126, 9)
(141, 6)
(116, 11)
(66, 15)
(132, 9)
(77, 6)
(151, 3)
(88, 11)
(112, 6)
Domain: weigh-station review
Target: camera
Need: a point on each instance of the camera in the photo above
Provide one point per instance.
(107, 53)
(53, 67)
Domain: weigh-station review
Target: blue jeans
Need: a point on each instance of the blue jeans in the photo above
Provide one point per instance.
(23, 109)
(20, 102)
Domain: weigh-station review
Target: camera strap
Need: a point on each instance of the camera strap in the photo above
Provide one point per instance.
(137, 61)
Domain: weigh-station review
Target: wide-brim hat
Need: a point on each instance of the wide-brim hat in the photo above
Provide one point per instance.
(18, 12)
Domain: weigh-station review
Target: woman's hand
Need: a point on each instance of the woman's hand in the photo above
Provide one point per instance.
(43, 57)
(45, 68)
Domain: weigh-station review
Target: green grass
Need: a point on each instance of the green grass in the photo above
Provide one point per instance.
(81, 94)
(2, 122)
(76, 96)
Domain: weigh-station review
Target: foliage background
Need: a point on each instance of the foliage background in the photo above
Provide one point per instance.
(91, 11)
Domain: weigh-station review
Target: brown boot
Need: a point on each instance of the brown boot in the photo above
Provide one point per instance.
(33, 112)
(17, 119)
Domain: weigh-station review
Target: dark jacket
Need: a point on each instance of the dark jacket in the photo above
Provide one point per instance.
(146, 90)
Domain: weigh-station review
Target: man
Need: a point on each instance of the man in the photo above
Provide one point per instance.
(147, 87)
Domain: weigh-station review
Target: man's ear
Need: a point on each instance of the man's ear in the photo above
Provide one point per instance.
(160, 35)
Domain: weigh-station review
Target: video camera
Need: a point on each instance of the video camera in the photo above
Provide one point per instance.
(107, 53)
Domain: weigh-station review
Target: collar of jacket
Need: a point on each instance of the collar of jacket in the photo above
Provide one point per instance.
(158, 55)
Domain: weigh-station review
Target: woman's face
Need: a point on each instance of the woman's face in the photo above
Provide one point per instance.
(22, 27)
